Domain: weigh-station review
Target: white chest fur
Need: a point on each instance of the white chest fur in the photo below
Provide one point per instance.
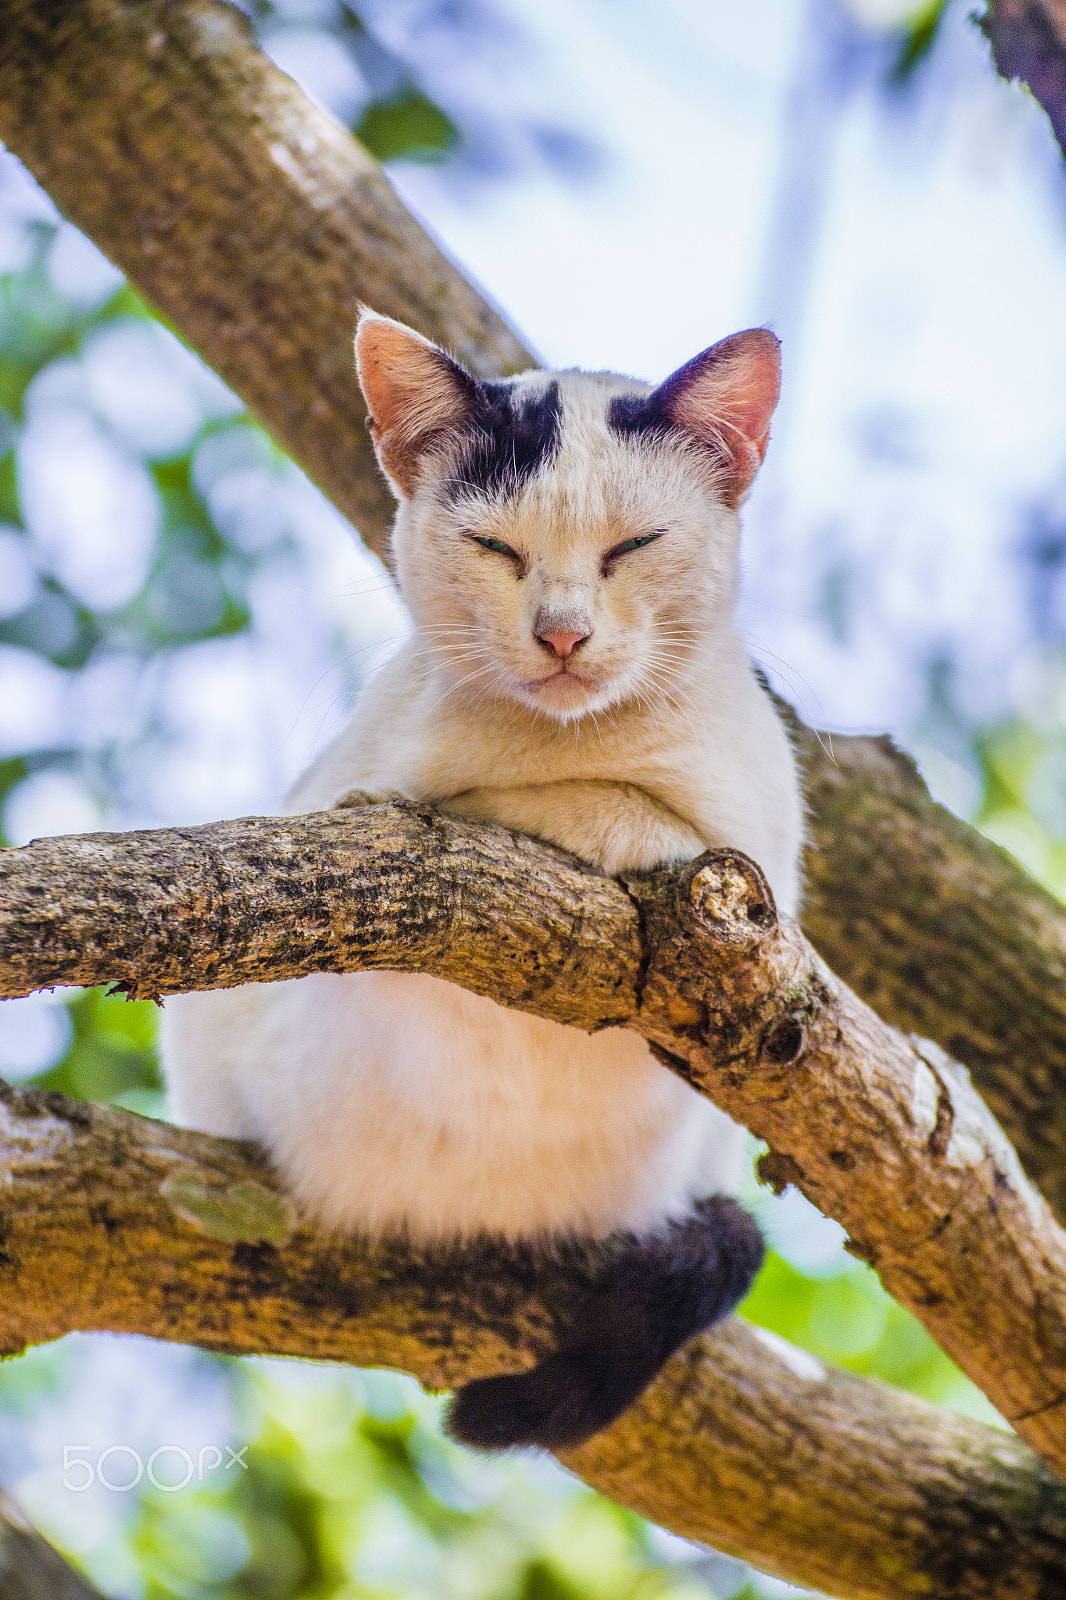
(561, 686)
(396, 1101)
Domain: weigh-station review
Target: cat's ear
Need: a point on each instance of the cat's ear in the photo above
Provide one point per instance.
(416, 393)
(726, 396)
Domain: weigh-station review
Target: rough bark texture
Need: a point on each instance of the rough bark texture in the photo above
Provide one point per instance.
(254, 224)
(265, 898)
(242, 212)
(889, 1139)
(943, 934)
(257, 225)
(1028, 39)
(115, 1222)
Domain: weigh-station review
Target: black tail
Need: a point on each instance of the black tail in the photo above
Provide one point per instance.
(658, 1292)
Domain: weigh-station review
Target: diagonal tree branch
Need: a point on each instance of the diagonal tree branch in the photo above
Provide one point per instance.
(943, 934)
(256, 225)
(244, 213)
(833, 1481)
(887, 1137)
(1028, 39)
(107, 172)
(30, 1569)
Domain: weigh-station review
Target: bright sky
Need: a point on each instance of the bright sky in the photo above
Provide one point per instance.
(910, 253)
(910, 250)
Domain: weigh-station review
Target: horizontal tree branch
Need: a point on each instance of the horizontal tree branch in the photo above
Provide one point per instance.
(844, 1484)
(256, 225)
(884, 1135)
(280, 337)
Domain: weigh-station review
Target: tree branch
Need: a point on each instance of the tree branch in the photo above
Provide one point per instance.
(942, 934)
(888, 1138)
(112, 1221)
(279, 225)
(30, 1569)
(242, 212)
(1028, 39)
(256, 225)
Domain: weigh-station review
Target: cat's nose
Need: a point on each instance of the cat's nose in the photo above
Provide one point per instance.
(562, 644)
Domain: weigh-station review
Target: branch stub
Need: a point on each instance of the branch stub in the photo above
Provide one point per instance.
(724, 894)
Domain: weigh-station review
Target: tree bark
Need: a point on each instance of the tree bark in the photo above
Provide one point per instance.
(242, 212)
(113, 1221)
(30, 1569)
(1028, 39)
(886, 1136)
(256, 225)
(942, 934)
(280, 225)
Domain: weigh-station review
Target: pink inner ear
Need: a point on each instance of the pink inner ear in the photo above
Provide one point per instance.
(414, 392)
(727, 396)
(395, 366)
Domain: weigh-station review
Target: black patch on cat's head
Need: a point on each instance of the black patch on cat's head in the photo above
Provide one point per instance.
(514, 435)
(652, 415)
(639, 415)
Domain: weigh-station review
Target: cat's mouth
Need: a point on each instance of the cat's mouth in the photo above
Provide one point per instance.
(563, 677)
(563, 693)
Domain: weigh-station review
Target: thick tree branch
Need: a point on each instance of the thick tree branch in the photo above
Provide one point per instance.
(256, 226)
(287, 225)
(943, 934)
(241, 211)
(115, 1222)
(888, 1138)
(1028, 39)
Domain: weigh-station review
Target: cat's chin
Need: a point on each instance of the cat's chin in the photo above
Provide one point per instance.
(565, 695)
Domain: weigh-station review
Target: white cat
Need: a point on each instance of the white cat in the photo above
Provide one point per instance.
(567, 545)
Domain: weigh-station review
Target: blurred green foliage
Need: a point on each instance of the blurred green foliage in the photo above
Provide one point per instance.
(112, 1055)
(915, 38)
(1023, 769)
(399, 122)
(351, 1490)
(195, 584)
(409, 125)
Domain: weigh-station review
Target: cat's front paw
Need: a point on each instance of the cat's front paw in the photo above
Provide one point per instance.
(356, 798)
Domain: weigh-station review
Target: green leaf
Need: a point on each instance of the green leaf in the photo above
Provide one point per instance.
(918, 38)
(410, 126)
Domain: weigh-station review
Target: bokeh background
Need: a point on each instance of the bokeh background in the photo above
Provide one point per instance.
(184, 621)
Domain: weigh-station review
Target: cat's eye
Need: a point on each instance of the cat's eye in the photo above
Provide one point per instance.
(498, 545)
(636, 543)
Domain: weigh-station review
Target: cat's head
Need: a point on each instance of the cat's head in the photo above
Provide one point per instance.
(567, 540)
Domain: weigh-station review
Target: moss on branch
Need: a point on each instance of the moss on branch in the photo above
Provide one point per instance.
(112, 1221)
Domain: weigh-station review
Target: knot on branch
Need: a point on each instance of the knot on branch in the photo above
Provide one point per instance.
(720, 967)
(784, 1041)
(724, 894)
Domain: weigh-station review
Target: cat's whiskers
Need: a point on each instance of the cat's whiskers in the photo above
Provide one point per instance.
(471, 677)
(666, 673)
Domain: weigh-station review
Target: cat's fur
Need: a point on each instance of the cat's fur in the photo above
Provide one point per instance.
(600, 699)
